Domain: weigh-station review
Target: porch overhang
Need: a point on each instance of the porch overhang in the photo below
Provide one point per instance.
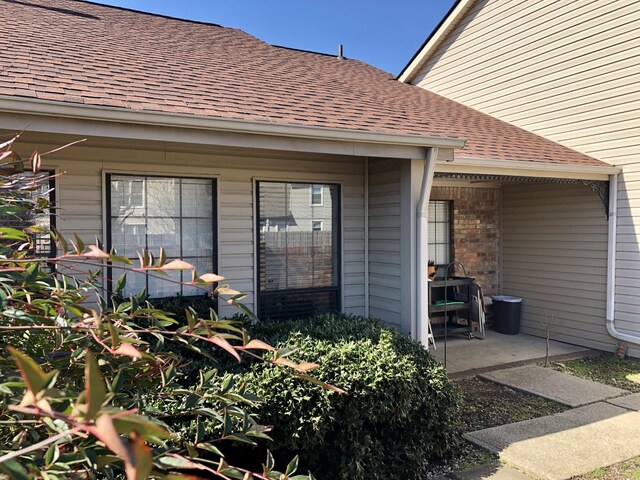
(506, 168)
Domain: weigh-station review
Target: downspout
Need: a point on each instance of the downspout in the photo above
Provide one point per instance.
(366, 237)
(611, 265)
(422, 247)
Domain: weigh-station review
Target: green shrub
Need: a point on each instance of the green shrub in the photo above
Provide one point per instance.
(399, 415)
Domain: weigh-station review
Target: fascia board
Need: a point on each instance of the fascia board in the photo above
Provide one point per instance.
(434, 40)
(110, 114)
(528, 169)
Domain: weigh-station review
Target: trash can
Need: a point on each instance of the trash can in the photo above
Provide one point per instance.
(506, 314)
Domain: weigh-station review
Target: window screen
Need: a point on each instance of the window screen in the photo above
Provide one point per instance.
(440, 232)
(175, 213)
(298, 249)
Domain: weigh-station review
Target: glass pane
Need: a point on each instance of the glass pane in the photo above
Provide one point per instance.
(163, 197)
(442, 254)
(294, 252)
(442, 211)
(126, 198)
(441, 233)
(164, 232)
(197, 198)
(128, 235)
(161, 287)
(136, 281)
(197, 237)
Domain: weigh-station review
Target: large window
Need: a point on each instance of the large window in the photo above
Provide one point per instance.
(298, 249)
(440, 231)
(175, 213)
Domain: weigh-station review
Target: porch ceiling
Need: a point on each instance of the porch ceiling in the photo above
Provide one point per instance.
(599, 187)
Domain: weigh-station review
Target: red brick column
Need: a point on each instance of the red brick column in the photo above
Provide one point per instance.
(476, 231)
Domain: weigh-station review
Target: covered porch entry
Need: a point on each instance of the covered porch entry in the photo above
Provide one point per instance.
(541, 238)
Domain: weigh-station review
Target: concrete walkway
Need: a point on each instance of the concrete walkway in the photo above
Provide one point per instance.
(557, 386)
(569, 443)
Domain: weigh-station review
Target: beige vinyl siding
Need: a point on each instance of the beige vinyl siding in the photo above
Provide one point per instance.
(568, 70)
(555, 257)
(627, 296)
(384, 241)
(80, 194)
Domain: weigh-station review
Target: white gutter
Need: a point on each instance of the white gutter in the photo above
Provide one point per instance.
(611, 266)
(162, 119)
(422, 247)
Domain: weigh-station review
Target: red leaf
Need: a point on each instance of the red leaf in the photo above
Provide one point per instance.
(95, 252)
(141, 453)
(257, 345)
(177, 265)
(107, 434)
(222, 343)
(36, 162)
(306, 366)
(210, 278)
(128, 350)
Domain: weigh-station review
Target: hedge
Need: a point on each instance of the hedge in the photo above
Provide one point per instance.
(400, 413)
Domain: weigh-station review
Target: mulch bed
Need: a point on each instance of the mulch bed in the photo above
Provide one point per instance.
(488, 404)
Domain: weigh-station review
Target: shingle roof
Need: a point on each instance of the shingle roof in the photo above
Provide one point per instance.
(83, 53)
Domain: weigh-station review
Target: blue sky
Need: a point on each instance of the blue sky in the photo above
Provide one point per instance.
(384, 33)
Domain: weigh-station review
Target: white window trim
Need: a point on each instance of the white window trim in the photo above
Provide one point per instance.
(314, 222)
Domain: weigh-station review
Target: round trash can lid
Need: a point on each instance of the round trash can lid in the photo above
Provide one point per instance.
(507, 298)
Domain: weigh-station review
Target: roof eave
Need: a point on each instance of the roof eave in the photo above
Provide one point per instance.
(433, 41)
(23, 105)
(528, 168)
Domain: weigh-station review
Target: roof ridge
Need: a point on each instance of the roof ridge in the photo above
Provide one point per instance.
(152, 14)
(306, 51)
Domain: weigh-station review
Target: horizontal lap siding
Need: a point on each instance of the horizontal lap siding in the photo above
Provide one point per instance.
(80, 200)
(384, 241)
(627, 298)
(555, 257)
(569, 71)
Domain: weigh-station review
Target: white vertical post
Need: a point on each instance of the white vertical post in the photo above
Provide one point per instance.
(422, 248)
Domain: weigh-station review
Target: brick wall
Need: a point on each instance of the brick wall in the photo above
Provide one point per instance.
(476, 231)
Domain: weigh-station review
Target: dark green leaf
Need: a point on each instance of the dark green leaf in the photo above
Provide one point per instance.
(14, 470)
(209, 448)
(95, 391)
(34, 377)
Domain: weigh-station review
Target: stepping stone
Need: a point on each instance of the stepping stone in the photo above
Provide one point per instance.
(630, 402)
(566, 444)
(557, 386)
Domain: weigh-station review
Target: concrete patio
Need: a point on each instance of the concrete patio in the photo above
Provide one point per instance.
(476, 356)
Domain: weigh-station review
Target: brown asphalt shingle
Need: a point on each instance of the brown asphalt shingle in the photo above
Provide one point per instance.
(78, 52)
